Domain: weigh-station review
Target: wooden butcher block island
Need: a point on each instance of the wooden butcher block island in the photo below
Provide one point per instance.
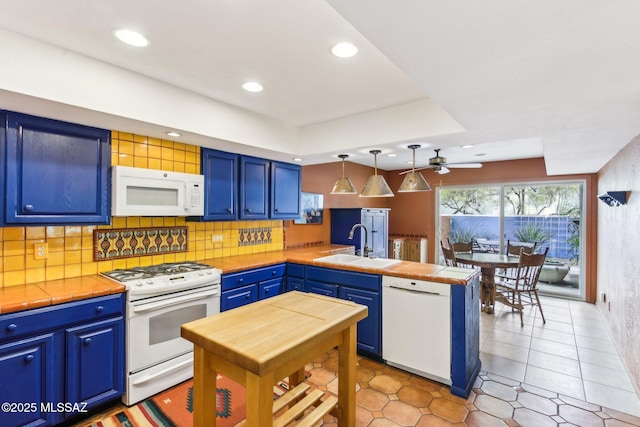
(261, 343)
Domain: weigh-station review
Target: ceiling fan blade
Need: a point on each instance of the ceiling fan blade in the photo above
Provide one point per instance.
(464, 165)
(416, 169)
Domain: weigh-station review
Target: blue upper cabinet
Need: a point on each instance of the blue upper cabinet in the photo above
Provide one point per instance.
(245, 187)
(221, 184)
(254, 188)
(56, 172)
(286, 182)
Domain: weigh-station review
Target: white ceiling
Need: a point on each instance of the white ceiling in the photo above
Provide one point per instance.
(518, 79)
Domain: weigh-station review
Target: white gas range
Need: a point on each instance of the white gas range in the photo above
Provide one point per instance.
(160, 299)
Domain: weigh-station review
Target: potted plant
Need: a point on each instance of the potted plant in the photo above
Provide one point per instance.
(553, 271)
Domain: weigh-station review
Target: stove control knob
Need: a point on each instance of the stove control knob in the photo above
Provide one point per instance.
(209, 272)
(150, 282)
(139, 283)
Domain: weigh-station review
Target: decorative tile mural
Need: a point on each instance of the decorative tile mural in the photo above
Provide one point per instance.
(254, 236)
(125, 243)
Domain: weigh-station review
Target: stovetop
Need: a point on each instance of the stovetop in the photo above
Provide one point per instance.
(165, 278)
(153, 271)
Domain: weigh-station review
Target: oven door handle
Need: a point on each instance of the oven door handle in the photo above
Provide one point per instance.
(165, 371)
(172, 301)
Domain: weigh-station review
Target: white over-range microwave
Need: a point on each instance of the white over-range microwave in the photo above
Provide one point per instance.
(150, 192)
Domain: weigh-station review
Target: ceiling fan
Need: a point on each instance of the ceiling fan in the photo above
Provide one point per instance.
(439, 165)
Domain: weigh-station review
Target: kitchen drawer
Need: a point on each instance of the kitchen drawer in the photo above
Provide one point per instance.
(26, 322)
(234, 280)
(343, 277)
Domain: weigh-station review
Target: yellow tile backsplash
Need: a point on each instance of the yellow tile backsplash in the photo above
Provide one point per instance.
(71, 247)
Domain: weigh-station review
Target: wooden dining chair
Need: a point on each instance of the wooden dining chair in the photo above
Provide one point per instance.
(449, 255)
(521, 290)
(515, 249)
(461, 247)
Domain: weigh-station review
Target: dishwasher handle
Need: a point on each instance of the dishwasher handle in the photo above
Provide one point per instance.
(414, 290)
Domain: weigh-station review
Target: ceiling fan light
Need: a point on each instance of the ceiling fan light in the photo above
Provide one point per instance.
(376, 186)
(343, 186)
(414, 181)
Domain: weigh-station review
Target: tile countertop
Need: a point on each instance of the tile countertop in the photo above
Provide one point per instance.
(24, 297)
(307, 256)
(36, 295)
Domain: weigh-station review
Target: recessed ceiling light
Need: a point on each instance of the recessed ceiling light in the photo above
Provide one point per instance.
(392, 155)
(174, 134)
(467, 146)
(344, 50)
(297, 159)
(131, 37)
(252, 87)
(481, 154)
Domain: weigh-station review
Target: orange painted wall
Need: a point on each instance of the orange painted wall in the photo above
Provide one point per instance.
(320, 179)
(414, 213)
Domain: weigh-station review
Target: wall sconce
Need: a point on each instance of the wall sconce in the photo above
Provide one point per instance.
(413, 181)
(376, 186)
(614, 198)
(343, 185)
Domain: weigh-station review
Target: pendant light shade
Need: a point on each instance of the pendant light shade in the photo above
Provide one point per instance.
(414, 181)
(343, 185)
(376, 186)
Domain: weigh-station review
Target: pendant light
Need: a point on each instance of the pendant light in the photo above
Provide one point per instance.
(376, 186)
(343, 185)
(413, 181)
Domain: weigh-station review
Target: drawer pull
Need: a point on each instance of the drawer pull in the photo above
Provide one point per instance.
(29, 357)
(28, 208)
(87, 341)
(12, 327)
(99, 309)
(240, 280)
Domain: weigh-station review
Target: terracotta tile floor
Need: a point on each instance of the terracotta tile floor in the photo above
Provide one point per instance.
(387, 396)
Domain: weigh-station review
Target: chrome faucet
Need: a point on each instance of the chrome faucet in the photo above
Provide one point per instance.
(366, 250)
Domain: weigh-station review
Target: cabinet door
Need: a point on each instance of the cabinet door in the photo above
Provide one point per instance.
(238, 297)
(369, 328)
(321, 288)
(270, 288)
(95, 362)
(254, 184)
(27, 378)
(220, 172)
(285, 190)
(56, 172)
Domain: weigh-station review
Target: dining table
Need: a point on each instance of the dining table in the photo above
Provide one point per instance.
(488, 263)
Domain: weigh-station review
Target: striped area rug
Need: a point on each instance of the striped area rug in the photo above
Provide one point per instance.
(174, 407)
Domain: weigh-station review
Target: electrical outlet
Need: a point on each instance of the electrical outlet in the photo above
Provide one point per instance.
(40, 250)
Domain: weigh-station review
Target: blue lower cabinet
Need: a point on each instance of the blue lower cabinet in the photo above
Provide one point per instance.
(295, 284)
(95, 372)
(27, 377)
(327, 289)
(361, 288)
(270, 288)
(369, 335)
(61, 360)
(238, 297)
(249, 286)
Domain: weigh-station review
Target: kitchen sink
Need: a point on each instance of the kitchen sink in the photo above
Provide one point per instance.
(339, 258)
(347, 259)
(375, 262)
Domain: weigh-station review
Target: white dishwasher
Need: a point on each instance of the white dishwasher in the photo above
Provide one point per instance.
(416, 327)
